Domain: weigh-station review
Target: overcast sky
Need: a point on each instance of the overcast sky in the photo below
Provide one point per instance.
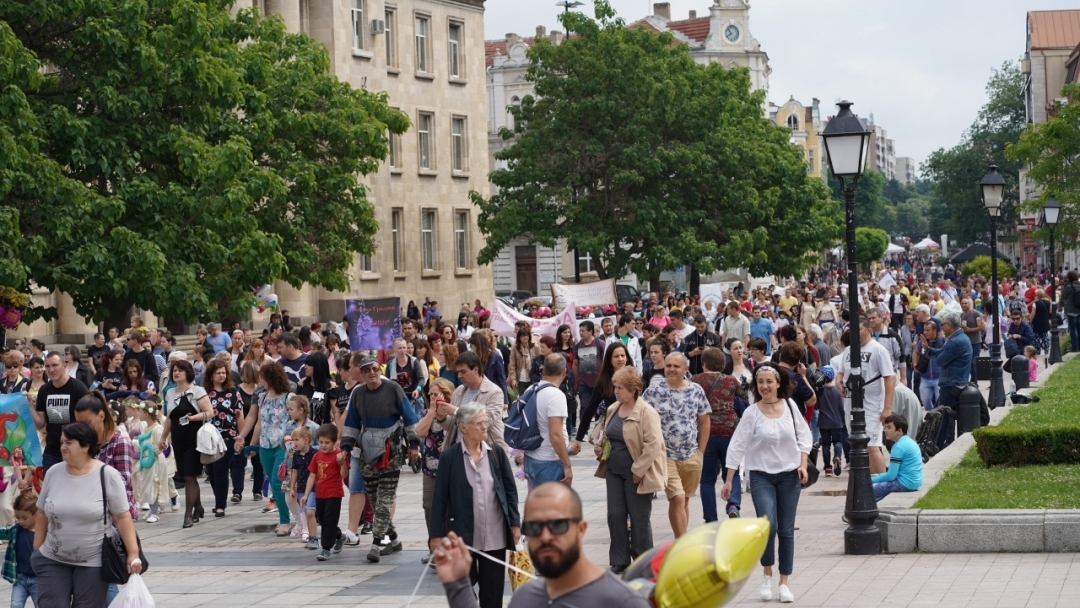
(919, 66)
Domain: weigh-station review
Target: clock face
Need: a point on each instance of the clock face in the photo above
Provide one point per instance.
(731, 33)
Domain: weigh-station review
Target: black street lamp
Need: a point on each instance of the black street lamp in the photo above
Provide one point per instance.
(568, 4)
(1051, 215)
(992, 186)
(846, 143)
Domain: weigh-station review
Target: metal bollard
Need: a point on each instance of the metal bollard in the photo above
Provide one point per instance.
(968, 409)
(1019, 370)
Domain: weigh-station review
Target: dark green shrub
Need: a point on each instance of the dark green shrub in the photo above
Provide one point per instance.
(1010, 446)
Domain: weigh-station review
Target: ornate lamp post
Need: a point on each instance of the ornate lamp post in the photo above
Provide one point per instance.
(992, 186)
(846, 143)
(1051, 215)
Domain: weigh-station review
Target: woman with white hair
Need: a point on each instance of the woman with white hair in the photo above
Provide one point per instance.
(476, 498)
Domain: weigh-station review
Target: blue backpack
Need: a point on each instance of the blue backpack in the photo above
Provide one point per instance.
(520, 429)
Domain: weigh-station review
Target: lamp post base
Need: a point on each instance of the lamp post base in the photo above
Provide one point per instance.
(996, 398)
(1055, 339)
(862, 540)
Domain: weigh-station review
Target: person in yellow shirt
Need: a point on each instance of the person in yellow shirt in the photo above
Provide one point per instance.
(788, 301)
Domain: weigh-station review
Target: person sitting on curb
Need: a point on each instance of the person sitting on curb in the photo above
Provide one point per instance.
(905, 472)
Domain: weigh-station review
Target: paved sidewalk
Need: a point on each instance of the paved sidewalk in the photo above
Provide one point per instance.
(236, 561)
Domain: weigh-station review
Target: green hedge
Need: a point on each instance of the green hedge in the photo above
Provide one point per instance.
(1012, 446)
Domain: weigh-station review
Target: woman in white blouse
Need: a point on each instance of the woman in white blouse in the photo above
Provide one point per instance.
(772, 442)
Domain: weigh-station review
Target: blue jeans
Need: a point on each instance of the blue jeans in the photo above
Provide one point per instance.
(976, 350)
(541, 471)
(272, 459)
(834, 439)
(23, 589)
(114, 590)
(928, 392)
(814, 432)
(884, 488)
(1074, 332)
(776, 496)
(712, 464)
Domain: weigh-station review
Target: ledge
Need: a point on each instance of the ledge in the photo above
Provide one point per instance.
(370, 276)
(430, 274)
(905, 529)
(401, 276)
(393, 71)
(460, 174)
(427, 173)
(424, 75)
(362, 54)
(464, 272)
(461, 81)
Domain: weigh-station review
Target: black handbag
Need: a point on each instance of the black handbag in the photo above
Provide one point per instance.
(923, 363)
(114, 567)
(812, 472)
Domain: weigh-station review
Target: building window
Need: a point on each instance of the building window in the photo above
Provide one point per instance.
(305, 17)
(456, 30)
(391, 39)
(514, 102)
(457, 135)
(424, 128)
(396, 223)
(793, 122)
(366, 263)
(584, 262)
(461, 238)
(422, 49)
(427, 238)
(813, 161)
(358, 24)
(393, 144)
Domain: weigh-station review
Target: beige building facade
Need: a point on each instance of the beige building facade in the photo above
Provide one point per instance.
(805, 124)
(428, 55)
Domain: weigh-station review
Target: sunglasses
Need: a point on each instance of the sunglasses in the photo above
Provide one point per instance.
(558, 527)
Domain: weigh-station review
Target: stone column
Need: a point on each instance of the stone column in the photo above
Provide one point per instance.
(289, 10)
(70, 323)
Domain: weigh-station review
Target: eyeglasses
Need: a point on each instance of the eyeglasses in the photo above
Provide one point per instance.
(558, 527)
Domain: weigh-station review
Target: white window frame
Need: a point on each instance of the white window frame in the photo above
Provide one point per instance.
(425, 140)
(358, 30)
(397, 221)
(422, 42)
(459, 149)
(793, 122)
(390, 15)
(367, 263)
(461, 238)
(454, 62)
(429, 219)
(587, 258)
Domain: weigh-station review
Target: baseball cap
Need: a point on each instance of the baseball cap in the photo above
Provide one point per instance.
(829, 372)
(368, 360)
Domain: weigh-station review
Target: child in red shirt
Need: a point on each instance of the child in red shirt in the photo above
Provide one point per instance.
(328, 470)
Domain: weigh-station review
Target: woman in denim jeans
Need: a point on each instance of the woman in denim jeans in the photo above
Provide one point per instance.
(773, 442)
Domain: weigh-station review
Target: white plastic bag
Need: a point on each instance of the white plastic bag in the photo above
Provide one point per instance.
(133, 595)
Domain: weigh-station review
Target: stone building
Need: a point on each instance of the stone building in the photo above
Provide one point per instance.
(428, 56)
(906, 170)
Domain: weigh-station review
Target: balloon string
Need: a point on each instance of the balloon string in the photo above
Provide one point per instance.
(423, 571)
(499, 561)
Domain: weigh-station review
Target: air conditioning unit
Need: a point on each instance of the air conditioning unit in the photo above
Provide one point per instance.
(378, 26)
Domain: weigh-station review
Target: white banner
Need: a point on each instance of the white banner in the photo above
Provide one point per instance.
(712, 292)
(596, 293)
(886, 281)
(503, 319)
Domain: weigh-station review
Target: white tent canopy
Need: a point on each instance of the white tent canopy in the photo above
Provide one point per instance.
(927, 243)
(893, 248)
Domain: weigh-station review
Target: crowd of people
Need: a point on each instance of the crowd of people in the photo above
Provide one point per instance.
(672, 393)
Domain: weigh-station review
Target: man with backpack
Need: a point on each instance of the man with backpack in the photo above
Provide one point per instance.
(536, 426)
(1070, 301)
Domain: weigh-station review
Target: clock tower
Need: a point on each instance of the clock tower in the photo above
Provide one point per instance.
(730, 42)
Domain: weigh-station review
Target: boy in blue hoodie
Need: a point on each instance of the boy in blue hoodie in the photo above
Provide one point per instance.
(905, 472)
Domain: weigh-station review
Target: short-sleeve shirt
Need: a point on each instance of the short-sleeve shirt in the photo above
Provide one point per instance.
(227, 408)
(300, 462)
(550, 402)
(74, 509)
(589, 359)
(971, 322)
(679, 410)
(59, 407)
(295, 369)
(875, 360)
(219, 342)
(328, 483)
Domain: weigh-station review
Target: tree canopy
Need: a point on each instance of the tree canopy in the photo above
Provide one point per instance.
(870, 244)
(646, 160)
(183, 155)
(957, 208)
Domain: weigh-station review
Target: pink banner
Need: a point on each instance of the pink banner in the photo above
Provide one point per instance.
(503, 319)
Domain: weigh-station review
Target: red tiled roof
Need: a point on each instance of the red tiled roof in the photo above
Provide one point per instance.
(493, 46)
(694, 29)
(1054, 29)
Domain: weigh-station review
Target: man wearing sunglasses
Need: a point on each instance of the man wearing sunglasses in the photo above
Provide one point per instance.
(555, 531)
(379, 420)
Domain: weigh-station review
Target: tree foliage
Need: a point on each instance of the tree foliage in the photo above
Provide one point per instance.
(646, 160)
(958, 209)
(200, 154)
(980, 265)
(871, 205)
(1051, 150)
(870, 244)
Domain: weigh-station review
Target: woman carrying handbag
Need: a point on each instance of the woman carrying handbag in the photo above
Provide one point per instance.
(775, 443)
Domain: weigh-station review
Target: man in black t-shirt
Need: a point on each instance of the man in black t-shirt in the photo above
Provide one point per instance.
(144, 356)
(56, 407)
(95, 351)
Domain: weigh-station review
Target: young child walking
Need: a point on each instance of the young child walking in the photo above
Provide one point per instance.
(1033, 364)
(151, 475)
(20, 539)
(298, 479)
(329, 469)
(831, 423)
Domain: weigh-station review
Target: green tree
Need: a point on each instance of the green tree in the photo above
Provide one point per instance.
(958, 209)
(895, 192)
(660, 161)
(218, 153)
(911, 218)
(870, 244)
(1050, 150)
(871, 206)
(980, 265)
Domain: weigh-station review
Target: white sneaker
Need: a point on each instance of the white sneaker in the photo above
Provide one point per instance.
(786, 596)
(765, 589)
(351, 539)
(152, 519)
(144, 507)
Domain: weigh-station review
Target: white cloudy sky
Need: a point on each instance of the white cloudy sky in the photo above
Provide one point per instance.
(919, 66)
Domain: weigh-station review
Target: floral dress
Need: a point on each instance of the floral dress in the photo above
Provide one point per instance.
(227, 407)
(274, 419)
(431, 447)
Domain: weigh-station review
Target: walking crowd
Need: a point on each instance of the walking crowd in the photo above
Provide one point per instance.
(670, 393)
